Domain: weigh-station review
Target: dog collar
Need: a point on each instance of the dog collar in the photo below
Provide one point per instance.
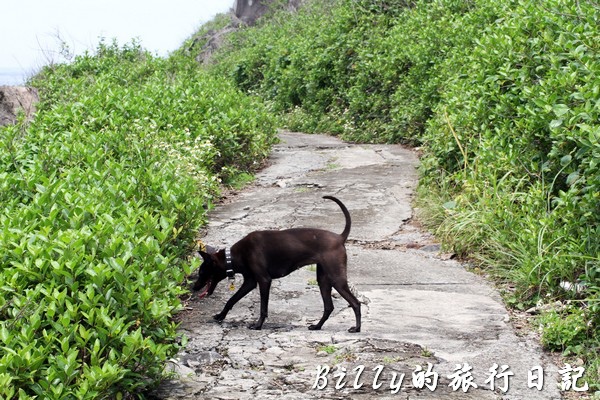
(229, 264)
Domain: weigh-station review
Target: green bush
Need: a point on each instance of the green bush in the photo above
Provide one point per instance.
(371, 71)
(517, 138)
(563, 330)
(101, 195)
(514, 147)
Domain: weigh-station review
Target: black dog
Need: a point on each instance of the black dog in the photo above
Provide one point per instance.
(263, 256)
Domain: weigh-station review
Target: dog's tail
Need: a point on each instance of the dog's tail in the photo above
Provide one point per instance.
(346, 231)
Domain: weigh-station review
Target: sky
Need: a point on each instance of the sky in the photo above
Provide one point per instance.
(31, 31)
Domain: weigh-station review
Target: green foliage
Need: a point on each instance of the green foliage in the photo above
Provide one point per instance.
(570, 331)
(237, 180)
(563, 330)
(100, 196)
(514, 146)
(368, 70)
(329, 349)
(518, 140)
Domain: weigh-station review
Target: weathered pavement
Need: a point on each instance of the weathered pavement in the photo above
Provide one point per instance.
(417, 307)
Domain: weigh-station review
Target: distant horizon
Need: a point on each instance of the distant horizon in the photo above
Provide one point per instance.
(12, 76)
(160, 27)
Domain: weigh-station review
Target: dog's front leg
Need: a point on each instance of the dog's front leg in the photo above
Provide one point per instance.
(265, 289)
(247, 287)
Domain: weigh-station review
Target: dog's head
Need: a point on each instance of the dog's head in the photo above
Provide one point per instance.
(211, 272)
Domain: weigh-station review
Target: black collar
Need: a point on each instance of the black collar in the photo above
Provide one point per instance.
(229, 264)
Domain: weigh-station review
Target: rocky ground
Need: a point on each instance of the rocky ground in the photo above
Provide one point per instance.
(15, 99)
(426, 319)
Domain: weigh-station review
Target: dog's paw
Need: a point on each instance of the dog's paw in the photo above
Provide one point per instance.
(354, 329)
(255, 327)
(314, 328)
(219, 317)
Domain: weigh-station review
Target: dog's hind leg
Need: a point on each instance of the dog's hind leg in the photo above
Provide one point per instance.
(325, 287)
(343, 289)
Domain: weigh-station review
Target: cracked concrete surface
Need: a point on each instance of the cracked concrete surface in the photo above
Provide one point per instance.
(419, 308)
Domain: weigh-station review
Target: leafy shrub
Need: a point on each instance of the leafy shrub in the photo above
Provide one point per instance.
(517, 137)
(563, 330)
(368, 70)
(514, 144)
(100, 196)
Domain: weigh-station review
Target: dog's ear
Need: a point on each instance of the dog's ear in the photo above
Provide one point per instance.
(206, 257)
(216, 258)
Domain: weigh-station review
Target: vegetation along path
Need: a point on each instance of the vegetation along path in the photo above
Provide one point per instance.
(426, 319)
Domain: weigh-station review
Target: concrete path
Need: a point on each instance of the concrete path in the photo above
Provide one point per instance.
(422, 314)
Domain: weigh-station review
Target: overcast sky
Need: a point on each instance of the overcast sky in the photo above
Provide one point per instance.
(29, 29)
